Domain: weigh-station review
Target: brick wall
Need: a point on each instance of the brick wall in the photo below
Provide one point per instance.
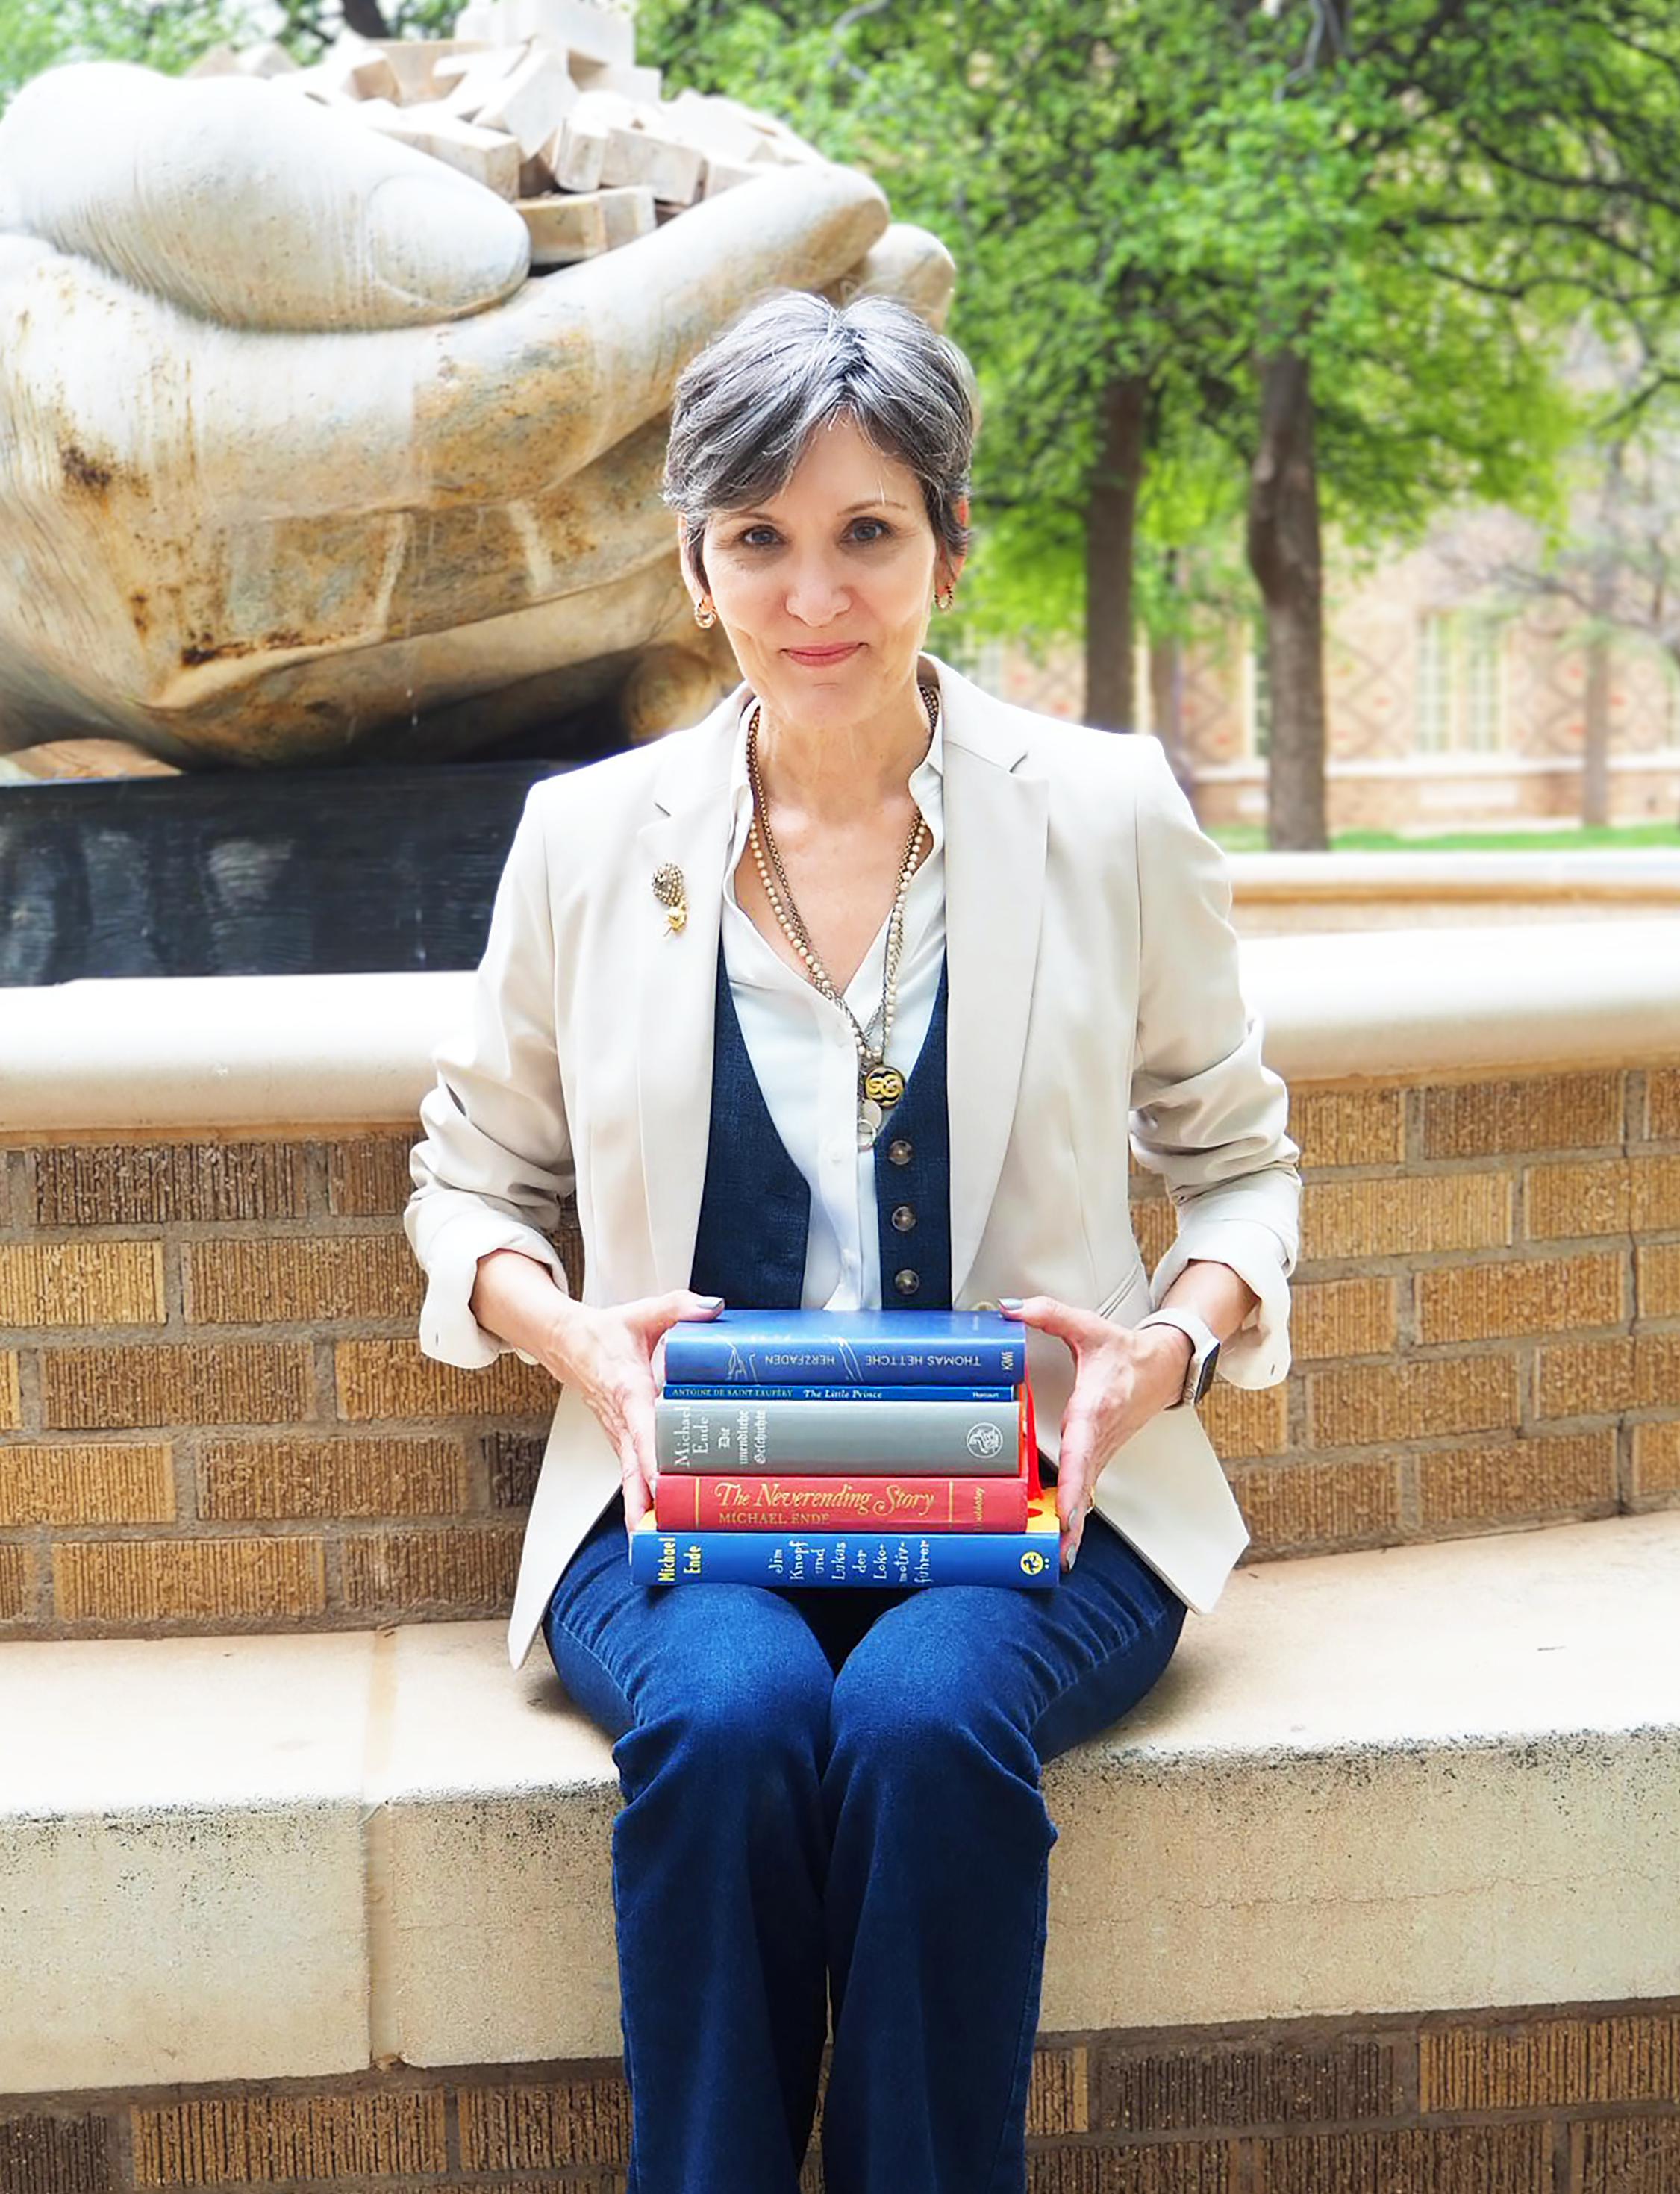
(213, 1413)
(1557, 2101)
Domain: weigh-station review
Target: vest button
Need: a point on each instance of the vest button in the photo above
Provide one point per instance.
(904, 1219)
(898, 1151)
(906, 1282)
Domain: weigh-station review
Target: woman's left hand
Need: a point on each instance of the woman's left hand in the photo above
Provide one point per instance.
(1121, 1378)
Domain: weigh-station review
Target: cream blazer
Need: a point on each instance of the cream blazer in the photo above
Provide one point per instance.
(1093, 974)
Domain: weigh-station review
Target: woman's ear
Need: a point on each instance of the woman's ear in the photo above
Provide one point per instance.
(688, 553)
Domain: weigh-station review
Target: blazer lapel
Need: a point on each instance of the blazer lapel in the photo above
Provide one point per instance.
(676, 987)
(996, 815)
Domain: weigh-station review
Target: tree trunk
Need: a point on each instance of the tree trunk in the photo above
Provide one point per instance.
(1111, 525)
(365, 17)
(1285, 554)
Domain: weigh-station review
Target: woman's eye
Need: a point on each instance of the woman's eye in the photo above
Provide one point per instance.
(870, 529)
(759, 537)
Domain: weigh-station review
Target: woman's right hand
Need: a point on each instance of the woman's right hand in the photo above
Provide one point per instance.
(610, 1356)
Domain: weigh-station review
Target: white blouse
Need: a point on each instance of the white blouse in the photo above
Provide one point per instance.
(805, 1056)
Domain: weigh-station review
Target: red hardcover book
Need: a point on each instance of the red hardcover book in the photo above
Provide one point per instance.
(780, 1501)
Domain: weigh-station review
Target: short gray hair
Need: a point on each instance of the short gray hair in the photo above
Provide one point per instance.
(744, 409)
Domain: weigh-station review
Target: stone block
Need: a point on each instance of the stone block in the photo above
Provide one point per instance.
(1593, 1196)
(1320, 1505)
(513, 1460)
(524, 2127)
(43, 2154)
(464, 1571)
(393, 1379)
(230, 1382)
(720, 175)
(716, 127)
(485, 155)
(11, 1397)
(1342, 1317)
(1419, 1214)
(302, 1279)
(417, 64)
(1288, 2082)
(532, 102)
(1519, 1480)
(1545, 2062)
(593, 33)
(86, 1482)
(639, 84)
(367, 1176)
(17, 1596)
(1058, 2091)
(270, 2140)
(1507, 2159)
(129, 1581)
(638, 158)
(1630, 2156)
(81, 1283)
(1662, 1105)
(1491, 1301)
(1597, 1378)
(269, 59)
(1246, 1419)
(1363, 1404)
(1656, 1458)
(1656, 1193)
(1657, 1264)
(152, 1183)
(575, 155)
(1162, 2167)
(1348, 1127)
(355, 67)
(1543, 1112)
(564, 229)
(250, 1480)
(181, 1843)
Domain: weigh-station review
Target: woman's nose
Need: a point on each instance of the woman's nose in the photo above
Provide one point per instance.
(816, 594)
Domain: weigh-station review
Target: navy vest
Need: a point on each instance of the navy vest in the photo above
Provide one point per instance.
(756, 1206)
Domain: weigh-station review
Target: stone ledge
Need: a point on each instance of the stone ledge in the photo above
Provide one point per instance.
(1435, 1778)
(292, 1051)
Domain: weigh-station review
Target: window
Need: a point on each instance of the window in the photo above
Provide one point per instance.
(1461, 683)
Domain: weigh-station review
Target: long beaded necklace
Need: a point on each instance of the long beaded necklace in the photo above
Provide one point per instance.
(879, 1086)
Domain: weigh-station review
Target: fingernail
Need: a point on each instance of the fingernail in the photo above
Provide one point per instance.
(450, 251)
(1073, 1556)
(1010, 1303)
(711, 1302)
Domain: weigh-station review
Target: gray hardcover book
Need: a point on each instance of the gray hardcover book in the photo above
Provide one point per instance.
(980, 1439)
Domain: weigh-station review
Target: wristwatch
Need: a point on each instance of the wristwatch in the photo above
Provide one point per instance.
(1204, 1350)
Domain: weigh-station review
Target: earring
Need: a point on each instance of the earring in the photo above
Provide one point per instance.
(946, 595)
(705, 616)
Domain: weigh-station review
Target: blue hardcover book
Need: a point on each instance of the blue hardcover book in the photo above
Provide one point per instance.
(849, 1348)
(718, 1391)
(1027, 1560)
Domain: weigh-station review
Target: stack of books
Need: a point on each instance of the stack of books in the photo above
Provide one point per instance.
(883, 1448)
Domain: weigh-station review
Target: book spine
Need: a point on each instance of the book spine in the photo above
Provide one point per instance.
(1025, 1559)
(691, 1391)
(978, 1439)
(790, 1504)
(697, 1356)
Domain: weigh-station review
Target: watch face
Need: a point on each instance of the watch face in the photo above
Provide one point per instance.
(1210, 1365)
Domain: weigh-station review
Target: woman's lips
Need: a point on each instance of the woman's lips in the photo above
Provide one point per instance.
(817, 657)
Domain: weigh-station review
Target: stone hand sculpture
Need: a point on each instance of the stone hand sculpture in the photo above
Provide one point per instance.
(298, 461)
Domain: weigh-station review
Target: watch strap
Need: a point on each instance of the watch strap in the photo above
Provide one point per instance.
(1204, 1350)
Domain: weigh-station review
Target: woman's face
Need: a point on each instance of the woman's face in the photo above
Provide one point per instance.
(825, 589)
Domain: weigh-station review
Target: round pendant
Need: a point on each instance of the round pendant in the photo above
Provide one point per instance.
(883, 1085)
(870, 1117)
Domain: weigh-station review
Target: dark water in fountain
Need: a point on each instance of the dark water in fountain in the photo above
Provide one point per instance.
(246, 873)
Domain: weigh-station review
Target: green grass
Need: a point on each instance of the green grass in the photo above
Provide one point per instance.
(1251, 838)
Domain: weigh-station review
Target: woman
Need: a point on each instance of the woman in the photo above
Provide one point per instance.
(836, 1000)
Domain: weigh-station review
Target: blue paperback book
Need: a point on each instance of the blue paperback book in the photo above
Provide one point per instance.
(1026, 1559)
(849, 1348)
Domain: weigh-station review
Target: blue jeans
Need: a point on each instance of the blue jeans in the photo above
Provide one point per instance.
(833, 1796)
